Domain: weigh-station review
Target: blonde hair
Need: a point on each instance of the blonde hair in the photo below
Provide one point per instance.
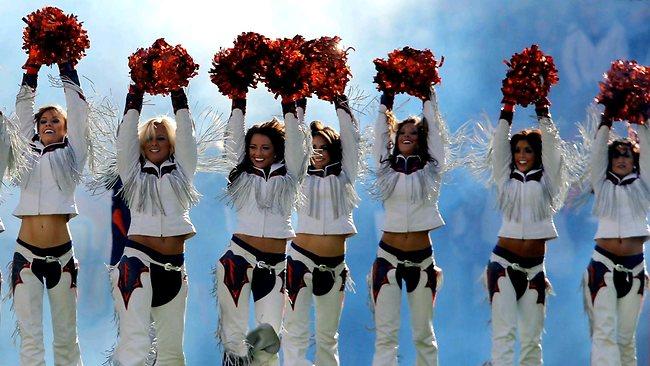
(147, 131)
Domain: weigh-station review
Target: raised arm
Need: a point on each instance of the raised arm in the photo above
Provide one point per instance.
(25, 103)
(234, 137)
(350, 138)
(501, 154)
(5, 146)
(296, 144)
(644, 155)
(551, 146)
(128, 144)
(185, 150)
(77, 110)
(599, 158)
(381, 147)
(436, 127)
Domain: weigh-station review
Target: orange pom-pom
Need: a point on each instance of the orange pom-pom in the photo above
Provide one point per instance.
(625, 92)
(286, 71)
(328, 69)
(408, 71)
(529, 77)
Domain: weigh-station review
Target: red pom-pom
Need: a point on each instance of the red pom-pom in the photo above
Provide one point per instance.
(286, 71)
(161, 68)
(625, 92)
(52, 37)
(328, 69)
(529, 77)
(408, 71)
(236, 69)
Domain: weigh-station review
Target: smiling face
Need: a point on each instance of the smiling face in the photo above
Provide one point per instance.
(622, 160)
(158, 148)
(407, 139)
(51, 127)
(524, 156)
(321, 157)
(261, 151)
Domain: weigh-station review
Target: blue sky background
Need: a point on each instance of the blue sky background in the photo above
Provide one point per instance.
(474, 36)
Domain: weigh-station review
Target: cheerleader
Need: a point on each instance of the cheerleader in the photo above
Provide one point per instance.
(615, 278)
(409, 170)
(529, 183)
(44, 258)
(156, 162)
(316, 270)
(270, 161)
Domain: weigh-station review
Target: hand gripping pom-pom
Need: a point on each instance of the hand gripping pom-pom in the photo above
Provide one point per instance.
(52, 37)
(161, 68)
(625, 92)
(238, 68)
(328, 69)
(529, 77)
(408, 71)
(285, 69)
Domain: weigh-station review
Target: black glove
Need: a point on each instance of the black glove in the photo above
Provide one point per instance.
(179, 100)
(387, 99)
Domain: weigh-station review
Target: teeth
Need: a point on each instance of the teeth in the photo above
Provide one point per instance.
(407, 141)
(259, 160)
(49, 131)
(522, 162)
(154, 150)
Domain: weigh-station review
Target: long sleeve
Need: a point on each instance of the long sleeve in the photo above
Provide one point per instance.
(598, 163)
(644, 158)
(185, 149)
(234, 138)
(551, 151)
(295, 146)
(350, 142)
(25, 106)
(128, 144)
(77, 110)
(435, 126)
(381, 148)
(5, 146)
(501, 155)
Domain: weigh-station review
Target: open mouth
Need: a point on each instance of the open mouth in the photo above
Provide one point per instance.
(48, 131)
(258, 160)
(407, 142)
(154, 150)
(523, 162)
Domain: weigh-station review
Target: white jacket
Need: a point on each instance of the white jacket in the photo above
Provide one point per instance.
(47, 187)
(410, 189)
(330, 195)
(621, 204)
(5, 152)
(527, 200)
(159, 197)
(264, 201)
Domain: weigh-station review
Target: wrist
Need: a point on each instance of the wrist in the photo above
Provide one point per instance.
(179, 100)
(239, 103)
(387, 99)
(605, 120)
(507, 112)
(288, 107)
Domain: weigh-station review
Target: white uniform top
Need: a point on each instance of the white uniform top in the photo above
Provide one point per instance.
(159, 198)
(5, 151)
(47, 187)
(527, 200)
(329, 192)
(621, 204)
(410, 188)
(264, 200)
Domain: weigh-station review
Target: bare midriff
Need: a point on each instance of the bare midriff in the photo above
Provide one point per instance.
(409, 241)
(322, 245)
(167, 245)
(266, 245)
(622, 246)
(44, 231)
(527, 248)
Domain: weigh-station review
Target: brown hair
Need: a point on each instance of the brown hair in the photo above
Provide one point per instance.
(534, 138)
(423, 130)
(331, 136)
(613, 146)
(51, 107)
(272, 129)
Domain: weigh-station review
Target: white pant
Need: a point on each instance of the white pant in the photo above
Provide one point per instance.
(239, 274)
(134, 298)
(302, 282)
(28, 306)
(385, 281)
(613, 315)
(518, 298)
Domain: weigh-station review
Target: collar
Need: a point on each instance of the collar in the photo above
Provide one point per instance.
(330, 169)
(628, 179)
(38, 146)
(407, 164)
(148, 167)
(275, 170)
(533, 174)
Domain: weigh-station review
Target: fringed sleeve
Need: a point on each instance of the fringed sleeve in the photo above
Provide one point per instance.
(296, 147)
(381, 148)
(128, 145)
(436, 138)
(77, 109)
(644, 158)
(25, 109)
(234, 149)
(185, 149)
(598, 163)
(350, 143)
(501, 155)
(5, 145)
